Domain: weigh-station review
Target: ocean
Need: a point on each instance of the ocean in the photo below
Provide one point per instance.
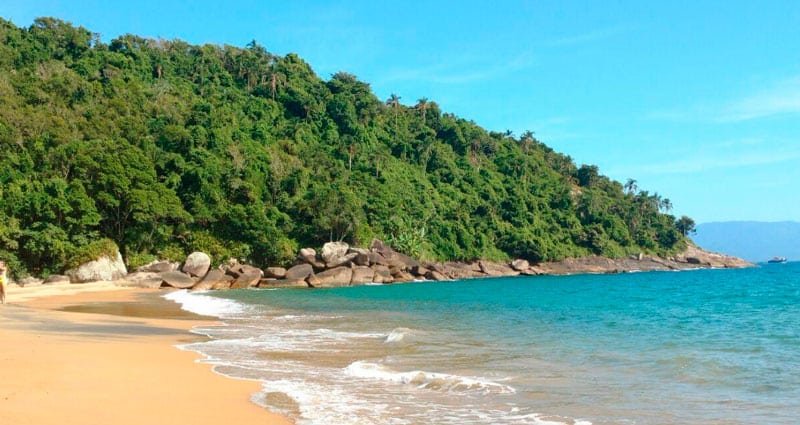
(694, 347)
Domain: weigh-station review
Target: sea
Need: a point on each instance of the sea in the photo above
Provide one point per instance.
(693, 347)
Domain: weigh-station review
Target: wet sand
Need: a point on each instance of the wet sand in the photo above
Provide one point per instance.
(99, 354)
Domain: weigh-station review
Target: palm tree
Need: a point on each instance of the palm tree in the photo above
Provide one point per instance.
(394, 102)
(630, 186)
(423, 105)
(526, 140)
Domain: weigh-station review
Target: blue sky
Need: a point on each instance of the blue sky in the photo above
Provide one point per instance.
(697, 100)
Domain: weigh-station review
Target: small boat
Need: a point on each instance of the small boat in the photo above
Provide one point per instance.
(777, 260)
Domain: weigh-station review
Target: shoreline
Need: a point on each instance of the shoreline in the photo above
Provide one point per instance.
(101, 353)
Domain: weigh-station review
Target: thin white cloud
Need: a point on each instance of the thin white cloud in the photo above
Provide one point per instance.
(713, 159)
(587, 37)
(462, 72)
(782, 98)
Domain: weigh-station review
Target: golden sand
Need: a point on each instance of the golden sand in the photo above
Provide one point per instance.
(63, 367)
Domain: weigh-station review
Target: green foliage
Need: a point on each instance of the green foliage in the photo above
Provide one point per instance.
(92, 251)
(165, 148)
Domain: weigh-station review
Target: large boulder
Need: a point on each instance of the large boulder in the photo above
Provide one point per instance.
(340, 276)
(197, 264)
(403, 276)
(56, 279)
(211, 279)
(384, 254)
(362, 256)
(159, 266)
(520, 265)
(299, 272)
(248, 279)
(382, 274)
(243, 269)
(275, 272)
(434, 275)
(29, 281)
(309, 256)
(103, 268)
(177, 280)
(362, 275)
(341, 261)
(283, 283)
(143, 280)
(333, 250)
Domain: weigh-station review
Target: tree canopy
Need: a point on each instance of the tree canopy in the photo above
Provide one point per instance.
(165, 147)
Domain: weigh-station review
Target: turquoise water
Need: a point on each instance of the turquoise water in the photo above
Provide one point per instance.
(700, 347)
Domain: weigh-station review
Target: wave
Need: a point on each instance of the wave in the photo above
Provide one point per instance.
(427, 380)
(397, 335)
(205, 305)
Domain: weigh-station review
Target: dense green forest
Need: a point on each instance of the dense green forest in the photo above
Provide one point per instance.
(165, 147)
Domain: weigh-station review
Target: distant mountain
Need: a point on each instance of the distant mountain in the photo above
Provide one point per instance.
(751, 240)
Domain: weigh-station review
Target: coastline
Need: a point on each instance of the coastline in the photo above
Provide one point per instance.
(114, 362)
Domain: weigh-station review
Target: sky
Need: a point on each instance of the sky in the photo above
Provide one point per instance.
(696, 100)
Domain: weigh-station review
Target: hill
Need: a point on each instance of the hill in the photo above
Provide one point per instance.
(752, 240)
(163, 148)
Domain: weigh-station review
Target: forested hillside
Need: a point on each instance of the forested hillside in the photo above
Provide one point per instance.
(165, 147)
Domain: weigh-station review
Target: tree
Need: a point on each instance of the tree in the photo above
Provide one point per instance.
(423, 106)
(685, 225)
(630, 186)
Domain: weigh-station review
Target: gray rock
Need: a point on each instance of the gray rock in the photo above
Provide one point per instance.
(341, 261)
(103, 268)
(309, 256)
(243, 269)
(385, 255)
(520, 265)
(340, 276)
(159, 266)
(382, 274)
(143, 280)
(177, 280)
(197, 264)
(211, 279)
(56, 279)
(362, 275)
(247, 279)
(27, 282)
(276, 272)
(299, 272)
(333, 250)
(283, 283)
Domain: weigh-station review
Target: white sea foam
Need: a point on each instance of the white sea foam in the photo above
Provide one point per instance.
(205, 305)
(397, 335)
(427, 380)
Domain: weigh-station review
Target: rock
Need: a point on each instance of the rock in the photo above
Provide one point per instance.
(243, 269)
(434, 275)
(362, 256)
(419, 271)
(362, 275)
(382, 274)
(283, 283)
(529, 272)
(248, 279)
(211, 279)
(520, 265)
(333, 250)
(223, 284)
(309, 256)
(159, 266)
(103, 268)
(340, 276)
(197, 264)
(299, 272)
(495, 269)
(147, 280)
(385, 255)
(275, 272)
(403, 277)
(56, 279)
(693, 260)
(341, 261)
(27, 282)
(177, 279)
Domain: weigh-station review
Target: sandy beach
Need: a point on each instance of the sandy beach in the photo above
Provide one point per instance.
(101, 354)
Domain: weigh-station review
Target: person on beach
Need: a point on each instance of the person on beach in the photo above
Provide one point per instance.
(3, 280)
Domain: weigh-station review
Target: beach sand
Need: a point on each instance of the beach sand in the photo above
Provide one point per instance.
(100, 354)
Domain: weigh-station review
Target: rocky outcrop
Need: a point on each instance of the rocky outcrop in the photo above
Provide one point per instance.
(214, 279)
(177, 280)
(197, 264)
(362, 275)
(159, 266)
(275, 272)
(56, 279)
(332, 251)
(103, 268)
(143, 280)
(299, 272)
(339, 276)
